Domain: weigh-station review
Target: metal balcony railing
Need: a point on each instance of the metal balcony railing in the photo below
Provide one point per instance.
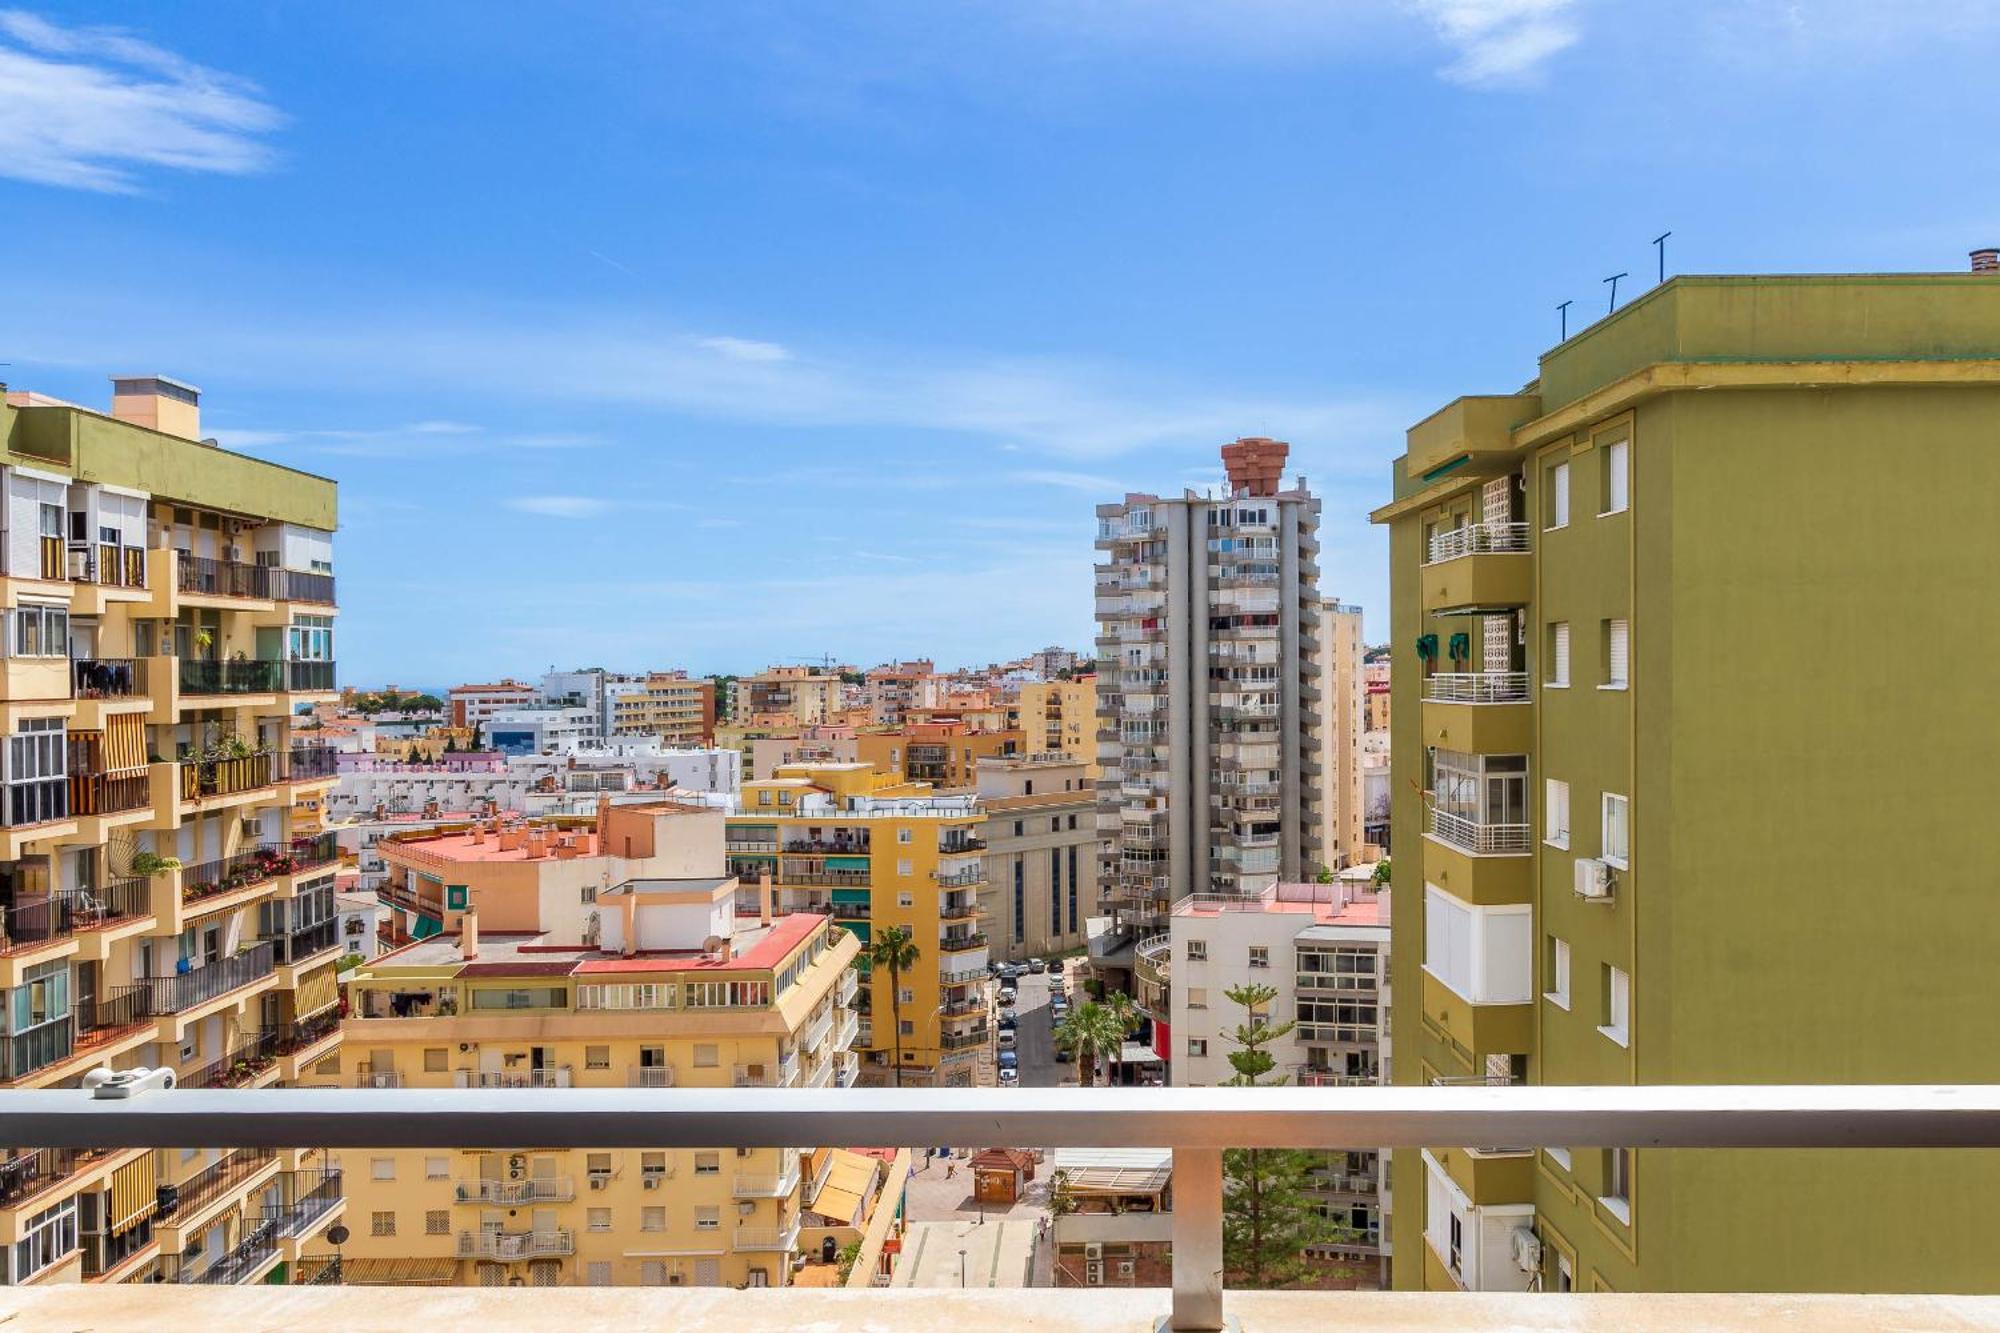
(224, 578)
(30, 919)
(1469, 835)
(203, 778)
(649, 1076)
(243, 675)
(309, 676)
(315, 1194)
(173, 995)
(252, 1253)
(113, 564)
(1477, 687)
(311, 763)
(304, 585)
(1479, 539)
(506, 1245)
(108, 677)
(238, 1067)
(1196, 1123)
(542, 1189)
(216, 1179)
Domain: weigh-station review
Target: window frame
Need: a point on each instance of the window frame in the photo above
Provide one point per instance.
(1622, 858)
(1616, 465)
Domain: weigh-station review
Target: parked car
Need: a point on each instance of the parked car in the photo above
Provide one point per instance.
(1010, 1059)
(1055, 967)
(1006, 1022)
(1008, 971)
(1008, 995)
(1038, 965)
(1010, 1077)
(1007, 1040)
(1063, 1055)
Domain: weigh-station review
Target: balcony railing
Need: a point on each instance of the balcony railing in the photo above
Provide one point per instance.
(173, 995)
(224, 578)
(311, 763)
(29, 919)
(958, 844)
(238, 1067)
(26, 1173)
(1479, 539)
(300, 945)
(1469, 835)
(113, 564)
(204, 778)
(767, 1238)
(649, 1076)
(255, 1251)
(216, 1179)
(543, 1189)
(260, 863)
(960, 879)
(304, 585)
(1196, 1123)
(505, 1245)
(317, 1194)
(243, 675)
(962, 943)
(108, 677)
(294, 1037)
(309, 676)
(109, 793)
(1477, 687)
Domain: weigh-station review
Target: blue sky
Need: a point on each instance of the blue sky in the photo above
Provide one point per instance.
(709, 334)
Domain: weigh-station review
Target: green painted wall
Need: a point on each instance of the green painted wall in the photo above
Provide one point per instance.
(1811, 896)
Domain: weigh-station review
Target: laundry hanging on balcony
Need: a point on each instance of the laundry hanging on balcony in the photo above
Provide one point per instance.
(1460, 647)
(1427, 647)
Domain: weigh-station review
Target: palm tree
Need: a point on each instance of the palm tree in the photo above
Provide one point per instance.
(1125, 1016)
(1090, 1030)
(895, 951)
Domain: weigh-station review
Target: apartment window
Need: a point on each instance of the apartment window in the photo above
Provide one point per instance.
(1072, 818)
(1197, 951)
(1055, 890)
(437, 1221)
(1020, 827)
(907, 1028)
(1197, 997)
(597, 1166)
(652, 1219)
(1555, 495)
(437, 1060)
(1617, 653)
(707, 1163)
(1020, 898)
(382, 1168)
(1617, 478)
(1072, 890)
(1617, 1196)
(437, 1168)
(40, 631)
(906, 996)
(1617, 1006)
(903, 836)
(1557, 675)
(1260, 955)
(1197, 1046)
(906, 900)
(599, 1219)
(46, 1238)
(903, 867)
(707, 1219)
(1617, 844)
(1558, 967)
(653, 1166)
(382, 1224)
(1560, 1156)
(597, 1273)
(37, 772)
(597, 1057)
(1555, 813)
(1484, 955)
(706, 1055)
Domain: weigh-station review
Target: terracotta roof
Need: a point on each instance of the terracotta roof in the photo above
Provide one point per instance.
(783, 937)
(1004, 1159)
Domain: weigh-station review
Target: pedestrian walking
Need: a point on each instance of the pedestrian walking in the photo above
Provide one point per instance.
(950, 1170)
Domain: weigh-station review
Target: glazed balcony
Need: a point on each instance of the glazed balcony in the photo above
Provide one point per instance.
(1196, 1124)
(1480, 565)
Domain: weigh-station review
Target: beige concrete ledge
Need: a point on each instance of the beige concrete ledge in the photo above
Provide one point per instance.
(564, 1310)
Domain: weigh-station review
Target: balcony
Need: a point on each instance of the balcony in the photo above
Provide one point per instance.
(509, 1193)
(31, 919)
(204, 779)
(309, 677)
(304, 945)
(649, 1076)
(213, 1182)
(303, 585)
(959, 879)
(1476, 838)
(965, 1041)
(240, 676)
(1483, 565)
(24, 1174)
(505, 1246)
(109, 793)
(965, 943)
(178, 994)
(785, 1238)
(108, 564)
(317, 1194)
(238, 1068)
(1185, 1120)
(204, 577)
(312, 763)
(955, 843)
(1478, 712)
(776, 1186)
(109, 677)
(817, 1030)
(256, 866)
(251, 1257)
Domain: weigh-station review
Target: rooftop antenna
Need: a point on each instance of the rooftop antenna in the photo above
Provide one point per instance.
(1563, 310)
(1660, 244)
(1613, 280)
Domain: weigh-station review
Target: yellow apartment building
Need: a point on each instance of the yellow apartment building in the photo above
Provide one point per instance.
(1060, 716)
(652, 980)
(878, 852)
(1041, 853)
(799, 694)
(669, 705)
(166, 899)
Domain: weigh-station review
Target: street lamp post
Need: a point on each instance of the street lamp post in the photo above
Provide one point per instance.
(961, 1268)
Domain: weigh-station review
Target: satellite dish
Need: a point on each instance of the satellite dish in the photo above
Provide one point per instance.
(337, 1234)
(713, 944)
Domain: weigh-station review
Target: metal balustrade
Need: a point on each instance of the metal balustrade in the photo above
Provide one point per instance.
(173, 995)
(1469, 835)
(1196, 1123)
(1477, 687)
(1479, 539)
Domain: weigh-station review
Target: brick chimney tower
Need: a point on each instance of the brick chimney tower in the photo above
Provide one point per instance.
(1255, 464)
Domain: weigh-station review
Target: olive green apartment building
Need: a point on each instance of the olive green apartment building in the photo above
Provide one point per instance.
(1693, 655)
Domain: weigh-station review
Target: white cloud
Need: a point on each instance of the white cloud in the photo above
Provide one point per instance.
(745, 349)
(1108, 487)
(85, 107)
(559, 506)
(1501, 43)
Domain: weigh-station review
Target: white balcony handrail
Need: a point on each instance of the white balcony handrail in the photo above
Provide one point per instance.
(1197, 1123)
(1472, 836)
(1477, 687)
(1479, 539)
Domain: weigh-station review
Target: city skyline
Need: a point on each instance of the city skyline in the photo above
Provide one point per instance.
(768, 296)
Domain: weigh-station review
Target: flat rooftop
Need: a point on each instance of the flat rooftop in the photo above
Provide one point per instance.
(527, 954)
(1325, 904)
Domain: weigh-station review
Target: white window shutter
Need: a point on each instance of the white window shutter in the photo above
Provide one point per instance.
(1618, 664)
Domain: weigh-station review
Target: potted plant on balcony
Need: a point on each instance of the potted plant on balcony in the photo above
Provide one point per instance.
(148, 864)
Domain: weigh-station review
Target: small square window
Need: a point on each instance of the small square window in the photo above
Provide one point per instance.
(707, 1163)
(1197, 951)
(1197, 1046)
(437, 1221)
(906, 900)
(599, 1219)
(382, 1168)
(652, 1219)
(437, 1168)
(1260, 955)
(1197, 997)
(597, 1057)
(903, 836)
(707, 1219)
(706, 1055)
(437, 1060)
(382, 1224)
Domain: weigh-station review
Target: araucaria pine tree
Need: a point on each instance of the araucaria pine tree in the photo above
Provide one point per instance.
(1268, 1219)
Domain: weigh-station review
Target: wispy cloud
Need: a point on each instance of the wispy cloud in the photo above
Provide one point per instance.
(431, 437)
(560, 506)
(87, 107)
(1108, 487)
(1501, 43)
(745, 349)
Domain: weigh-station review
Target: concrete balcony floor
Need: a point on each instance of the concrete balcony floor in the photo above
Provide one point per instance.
(563, 1310)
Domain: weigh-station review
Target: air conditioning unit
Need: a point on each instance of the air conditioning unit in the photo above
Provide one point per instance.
(1093, 1251)
(1593, 879)
(517, 1167)
(600, 1182)
(1124, 1268)
(1527, 1250)
(746, 1208)
(652, 1182)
